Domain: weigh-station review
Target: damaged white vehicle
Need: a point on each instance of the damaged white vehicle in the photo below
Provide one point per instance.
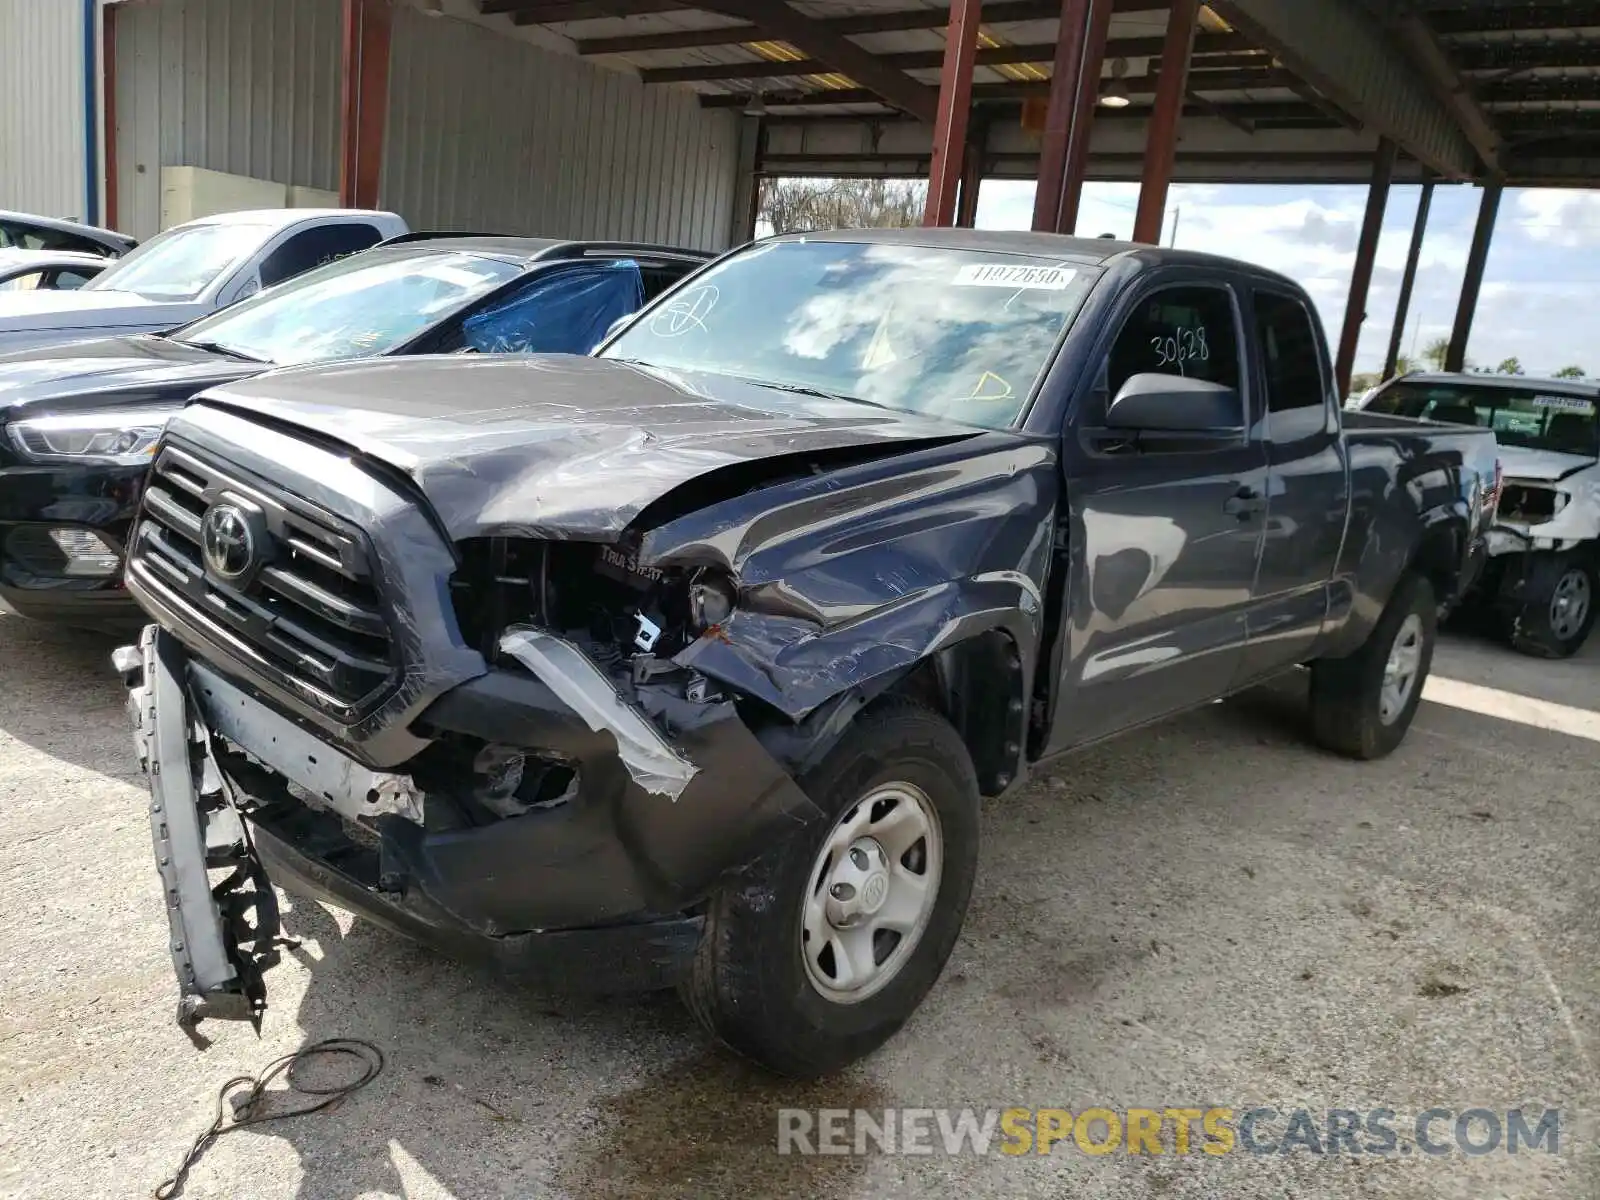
(1543, 574)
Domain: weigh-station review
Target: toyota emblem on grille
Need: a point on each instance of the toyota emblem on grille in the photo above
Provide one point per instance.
(227, 540)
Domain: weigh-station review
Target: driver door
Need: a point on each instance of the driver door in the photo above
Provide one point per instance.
(1164, 535)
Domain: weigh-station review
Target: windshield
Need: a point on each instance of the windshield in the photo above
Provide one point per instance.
(1519, 416)
(952, 333)
(182, 263)
(359, 306)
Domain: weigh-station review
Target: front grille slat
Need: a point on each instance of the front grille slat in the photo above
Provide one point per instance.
(309, 615)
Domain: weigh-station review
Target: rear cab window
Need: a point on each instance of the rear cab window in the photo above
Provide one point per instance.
(1292, 367)
(1532, 417)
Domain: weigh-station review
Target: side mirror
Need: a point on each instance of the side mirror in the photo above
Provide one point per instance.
(1155, 403)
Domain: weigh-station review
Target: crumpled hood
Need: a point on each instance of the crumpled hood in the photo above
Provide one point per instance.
(558, 445)
(1545, 466)
(53, 309)
(110, 373)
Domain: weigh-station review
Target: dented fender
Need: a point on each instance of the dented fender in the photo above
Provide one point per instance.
(850, 577)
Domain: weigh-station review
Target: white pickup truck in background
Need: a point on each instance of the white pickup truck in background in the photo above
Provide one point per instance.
(189, 271)
(1543, 577)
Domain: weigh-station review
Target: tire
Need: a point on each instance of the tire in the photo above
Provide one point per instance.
(751, 985)
(1348, 703)
(1560, 600)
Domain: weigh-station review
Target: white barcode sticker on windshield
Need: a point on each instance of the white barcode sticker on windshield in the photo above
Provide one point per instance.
(1009, 275)
(1566, 404)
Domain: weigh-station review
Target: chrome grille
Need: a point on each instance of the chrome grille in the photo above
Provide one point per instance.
(307, 615)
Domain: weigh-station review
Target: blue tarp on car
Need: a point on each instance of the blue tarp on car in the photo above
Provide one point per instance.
(567, 312)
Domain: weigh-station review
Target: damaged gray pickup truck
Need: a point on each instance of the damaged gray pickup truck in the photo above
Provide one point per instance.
(688, 664)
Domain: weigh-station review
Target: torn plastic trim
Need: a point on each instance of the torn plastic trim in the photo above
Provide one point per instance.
(328, 776)
(652, 762)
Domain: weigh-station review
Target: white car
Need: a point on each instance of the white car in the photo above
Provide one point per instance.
(48, 270)
(189, 271)
(1544, 565)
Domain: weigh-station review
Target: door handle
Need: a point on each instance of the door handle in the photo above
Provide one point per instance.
(1244, 504)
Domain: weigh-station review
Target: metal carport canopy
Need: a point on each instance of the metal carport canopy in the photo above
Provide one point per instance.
(1278, 90)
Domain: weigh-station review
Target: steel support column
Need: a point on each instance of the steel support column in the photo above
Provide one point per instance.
(1355, 308)
(1161, 142)
(1402, 308)
(1477, 258)
(1055, 149)
(972, 165)
(955, 107)
(364, 101)
(1094, 53)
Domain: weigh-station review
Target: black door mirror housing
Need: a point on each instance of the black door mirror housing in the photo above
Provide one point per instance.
(1154, 403)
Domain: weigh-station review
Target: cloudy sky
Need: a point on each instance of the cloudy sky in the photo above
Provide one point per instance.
(1540, 292)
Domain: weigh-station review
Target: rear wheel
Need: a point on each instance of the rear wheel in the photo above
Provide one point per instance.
(1362, 706)
(1559, 605)
(818, 952)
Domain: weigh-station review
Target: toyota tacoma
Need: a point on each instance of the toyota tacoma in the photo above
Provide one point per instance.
(688, 664)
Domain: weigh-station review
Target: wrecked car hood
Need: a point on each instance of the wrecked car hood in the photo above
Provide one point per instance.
(558, 445)
(1545, 466)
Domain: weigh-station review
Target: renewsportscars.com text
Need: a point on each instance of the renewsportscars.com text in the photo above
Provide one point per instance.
(1179, 1130)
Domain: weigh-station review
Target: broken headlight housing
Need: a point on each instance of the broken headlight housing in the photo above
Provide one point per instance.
(712, 599)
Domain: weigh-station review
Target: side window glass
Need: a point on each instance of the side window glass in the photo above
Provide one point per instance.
(1289, 353)
(1186, 331)
(314, 248)
(67, 280)
(566, 312)
(23, 283)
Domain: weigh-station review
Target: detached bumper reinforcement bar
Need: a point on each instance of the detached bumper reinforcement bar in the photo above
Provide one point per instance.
(222, 935)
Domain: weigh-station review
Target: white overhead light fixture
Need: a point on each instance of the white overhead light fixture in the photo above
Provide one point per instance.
(757, 106)
(431, 8)
(1115, 93)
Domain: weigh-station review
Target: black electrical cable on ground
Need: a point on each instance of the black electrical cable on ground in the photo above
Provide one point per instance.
(247, 1112)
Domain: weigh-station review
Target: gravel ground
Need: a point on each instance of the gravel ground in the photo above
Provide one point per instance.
(1208, 912)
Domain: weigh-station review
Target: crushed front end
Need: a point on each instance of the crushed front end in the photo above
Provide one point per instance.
(486, 747)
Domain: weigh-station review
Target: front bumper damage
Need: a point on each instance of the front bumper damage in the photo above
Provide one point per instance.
(596, 893)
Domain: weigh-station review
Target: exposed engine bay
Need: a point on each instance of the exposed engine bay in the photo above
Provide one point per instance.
(627, 618)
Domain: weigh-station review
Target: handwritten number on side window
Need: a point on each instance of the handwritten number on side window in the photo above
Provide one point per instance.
(1181, 346)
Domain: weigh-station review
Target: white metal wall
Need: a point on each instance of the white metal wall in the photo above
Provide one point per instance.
(248, 88)
(490, 132)
(42, 107)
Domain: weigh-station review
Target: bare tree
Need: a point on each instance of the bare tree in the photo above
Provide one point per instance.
(804, 205)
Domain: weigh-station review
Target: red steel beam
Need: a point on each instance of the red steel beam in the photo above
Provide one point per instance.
(1083, 125)
(364, 100)
(1355, 309)
(1161, 141)
(955, 107)
(1055, 147)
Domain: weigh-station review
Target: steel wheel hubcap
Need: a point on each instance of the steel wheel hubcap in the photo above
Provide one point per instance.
(872, 890)
(1400, 672)
(1569, 606)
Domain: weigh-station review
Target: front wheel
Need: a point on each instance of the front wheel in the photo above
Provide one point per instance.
(820, 950)
(1362, 706)
(1558, 612)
